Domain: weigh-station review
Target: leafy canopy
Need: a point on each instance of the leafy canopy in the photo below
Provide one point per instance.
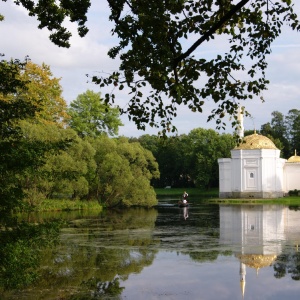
(158, 64)
(91, 116)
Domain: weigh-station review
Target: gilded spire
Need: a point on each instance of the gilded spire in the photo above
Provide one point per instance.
(240, 119)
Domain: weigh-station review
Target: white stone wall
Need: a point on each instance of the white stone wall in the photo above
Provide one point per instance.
(291, 177)
(225, 174)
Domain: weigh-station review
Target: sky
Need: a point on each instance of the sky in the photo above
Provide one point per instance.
(20, 37)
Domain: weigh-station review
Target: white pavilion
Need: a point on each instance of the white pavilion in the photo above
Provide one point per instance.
(255, 169)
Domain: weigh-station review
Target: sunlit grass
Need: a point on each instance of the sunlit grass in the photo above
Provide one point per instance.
(66, 205)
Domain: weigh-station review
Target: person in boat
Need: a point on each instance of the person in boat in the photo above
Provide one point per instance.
(184, 197)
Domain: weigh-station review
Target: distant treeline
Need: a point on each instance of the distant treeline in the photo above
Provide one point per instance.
(189, 160)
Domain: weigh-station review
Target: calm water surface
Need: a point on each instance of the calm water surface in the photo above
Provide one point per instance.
(200, 252)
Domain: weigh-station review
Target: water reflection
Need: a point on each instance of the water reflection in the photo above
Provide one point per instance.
(197, 252)
(185, 212)
(257, 234)
(253, 229)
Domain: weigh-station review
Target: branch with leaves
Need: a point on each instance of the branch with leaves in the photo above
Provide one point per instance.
(159, 67)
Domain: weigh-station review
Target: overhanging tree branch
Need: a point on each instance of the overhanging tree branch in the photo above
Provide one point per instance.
(211, 31)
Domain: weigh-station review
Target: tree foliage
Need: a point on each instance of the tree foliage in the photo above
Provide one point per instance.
(64, 168)
(90, 116)
(42, 158)
(293, 128)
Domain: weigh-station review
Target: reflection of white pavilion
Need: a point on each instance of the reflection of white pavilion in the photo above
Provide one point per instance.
(252, 227)
(254, 232)
(255, 169)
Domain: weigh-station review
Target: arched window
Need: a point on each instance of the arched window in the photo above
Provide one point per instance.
(251, 175)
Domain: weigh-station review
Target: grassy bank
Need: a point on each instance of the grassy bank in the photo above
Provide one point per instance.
(64, 205)
(212, 196)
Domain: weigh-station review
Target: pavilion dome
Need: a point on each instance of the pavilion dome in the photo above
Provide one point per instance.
(257, 261)
(255, 141)
(294, 159)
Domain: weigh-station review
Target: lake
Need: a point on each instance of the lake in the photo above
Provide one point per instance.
(200, 252)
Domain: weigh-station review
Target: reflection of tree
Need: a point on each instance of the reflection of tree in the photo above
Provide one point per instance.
(101, 289)
(20, 252)
(95, 255)
(204, 256)
(288, 263)
(294, 207)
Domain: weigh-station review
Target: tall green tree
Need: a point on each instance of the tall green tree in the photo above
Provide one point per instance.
(35, 97)
(149, 142)
(173, 162)
(91, 116)
(43, 91)
(68, 169)
(157, 49)
(123, 174)
(9, 74)
(16, 154)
